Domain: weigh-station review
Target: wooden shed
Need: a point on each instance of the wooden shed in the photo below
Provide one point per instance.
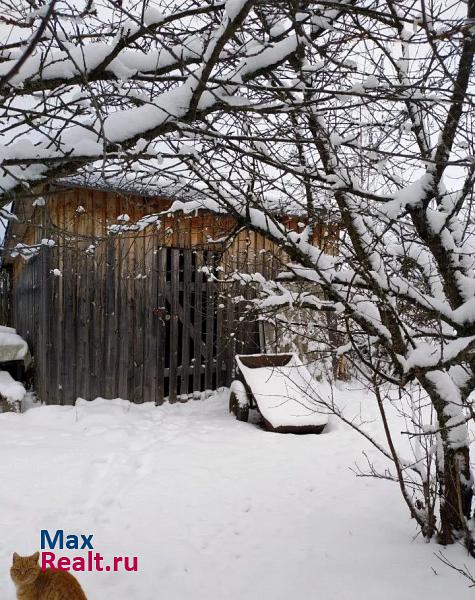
(142, 313)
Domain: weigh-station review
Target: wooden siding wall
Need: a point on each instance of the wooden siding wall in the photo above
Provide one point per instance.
(89, 213)
(133, 315)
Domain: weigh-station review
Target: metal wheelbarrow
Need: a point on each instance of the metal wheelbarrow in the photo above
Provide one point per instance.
(281, 388)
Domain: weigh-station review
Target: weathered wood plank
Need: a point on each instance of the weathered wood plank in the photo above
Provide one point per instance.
(220, 342)
(92, 327)
(68, 353)
(54, 330)
(161, 316)
(42, 342)
(230, 332)
(198, 321)
(123, 318)
(110, 333)
(151, 325)
(139, 280)
(81, 323)
(210, 341)
(174, 316)
(185, 348)
(131, 312)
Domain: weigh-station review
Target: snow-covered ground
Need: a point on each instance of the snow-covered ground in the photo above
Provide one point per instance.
(214, 509)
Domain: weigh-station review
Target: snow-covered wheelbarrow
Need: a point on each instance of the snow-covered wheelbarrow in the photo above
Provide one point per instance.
(281, 388)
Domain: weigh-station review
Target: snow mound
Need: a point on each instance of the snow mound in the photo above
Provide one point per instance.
(13, 391)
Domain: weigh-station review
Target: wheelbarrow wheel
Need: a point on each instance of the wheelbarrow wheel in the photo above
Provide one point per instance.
(239, 401)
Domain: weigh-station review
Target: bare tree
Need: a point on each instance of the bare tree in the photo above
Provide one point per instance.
(361, 110)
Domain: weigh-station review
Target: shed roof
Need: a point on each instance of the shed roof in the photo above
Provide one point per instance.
(127, 183)
(168, 185)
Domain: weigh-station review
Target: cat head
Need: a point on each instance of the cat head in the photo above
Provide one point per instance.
(25, 569)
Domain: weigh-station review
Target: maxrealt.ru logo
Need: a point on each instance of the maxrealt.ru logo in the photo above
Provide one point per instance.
(91, 561)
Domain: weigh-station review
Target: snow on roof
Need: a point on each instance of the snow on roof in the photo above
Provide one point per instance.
(126, 181)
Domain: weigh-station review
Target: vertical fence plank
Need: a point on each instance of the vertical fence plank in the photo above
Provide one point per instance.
(219, 339)
(81, 324)
(210, 342)
(5, 298)
(123, 318)
(173, 299)
(186, 316)
(161, 333)
(100, 321)
(138, 332)
(198, 321)
(110, 334)
(230, 332)
(131, 312)
(92, 294)
(42, 344)
(151, 323)
(68, 354)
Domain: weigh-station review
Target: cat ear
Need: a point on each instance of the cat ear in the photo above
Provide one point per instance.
(15, 557)
(36, 556)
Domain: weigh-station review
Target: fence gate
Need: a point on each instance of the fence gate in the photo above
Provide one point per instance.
(188, 324)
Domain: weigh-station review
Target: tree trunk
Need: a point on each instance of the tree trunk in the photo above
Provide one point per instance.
(453, 464)
(456, 493)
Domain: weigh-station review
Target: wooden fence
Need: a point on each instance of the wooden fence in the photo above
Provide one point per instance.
(145, 325)
(5, 297)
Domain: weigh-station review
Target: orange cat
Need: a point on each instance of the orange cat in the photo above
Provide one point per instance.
(34, 584)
